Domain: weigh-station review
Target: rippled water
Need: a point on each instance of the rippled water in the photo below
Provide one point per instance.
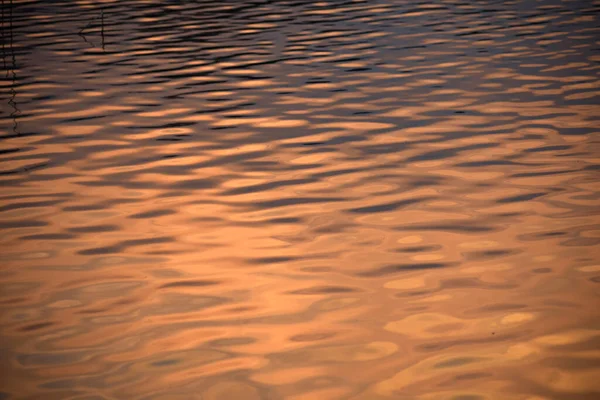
(300, 200)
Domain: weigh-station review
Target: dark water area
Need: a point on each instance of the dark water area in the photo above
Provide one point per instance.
(326, 200)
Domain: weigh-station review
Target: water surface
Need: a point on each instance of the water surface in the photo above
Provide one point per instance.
(360, 200)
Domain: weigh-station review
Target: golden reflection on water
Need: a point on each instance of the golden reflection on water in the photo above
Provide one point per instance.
(300, 200)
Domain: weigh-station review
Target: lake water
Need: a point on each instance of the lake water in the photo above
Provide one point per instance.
(325, 200)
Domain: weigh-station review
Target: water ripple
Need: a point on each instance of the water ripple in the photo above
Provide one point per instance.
(257, 199)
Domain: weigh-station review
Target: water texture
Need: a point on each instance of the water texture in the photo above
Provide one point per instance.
(326, 200)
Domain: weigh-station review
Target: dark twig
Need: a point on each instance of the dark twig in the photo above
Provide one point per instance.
(3, 40)
(83, 29)
(102, 27)
(12, 101)
(89, 24)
